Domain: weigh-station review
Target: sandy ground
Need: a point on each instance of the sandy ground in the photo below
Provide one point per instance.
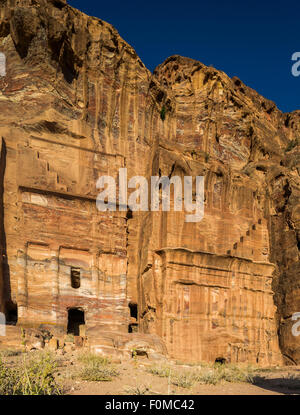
(134, 379)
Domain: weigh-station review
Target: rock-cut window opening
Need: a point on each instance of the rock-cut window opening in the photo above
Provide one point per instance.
(75, 277)
(133, 326)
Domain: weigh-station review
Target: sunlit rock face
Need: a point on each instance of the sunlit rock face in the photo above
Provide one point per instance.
(77, 103)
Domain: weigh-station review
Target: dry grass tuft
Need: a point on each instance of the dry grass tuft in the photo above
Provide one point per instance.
(96, 369)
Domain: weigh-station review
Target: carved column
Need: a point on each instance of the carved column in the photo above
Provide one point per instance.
(22, 298)
(54, 278)
(95, 273)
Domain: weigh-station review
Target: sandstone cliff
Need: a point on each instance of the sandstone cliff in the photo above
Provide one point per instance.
(77, 103)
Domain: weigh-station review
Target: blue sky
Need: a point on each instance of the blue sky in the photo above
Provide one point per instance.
(253, 40)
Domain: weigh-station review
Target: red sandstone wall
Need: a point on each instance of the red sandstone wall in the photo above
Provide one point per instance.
(77, 102)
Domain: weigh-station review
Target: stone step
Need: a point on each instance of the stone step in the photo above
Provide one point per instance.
(242, 248)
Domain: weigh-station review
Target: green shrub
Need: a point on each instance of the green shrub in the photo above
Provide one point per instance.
(34, 376)
(161, 371)
(231, 373)
(96, 368)
(8, 379)
(93, 359)
(208, 377)
(163, 113)
(98, 373)
(211, 375)
(184, 380)
(227, 373)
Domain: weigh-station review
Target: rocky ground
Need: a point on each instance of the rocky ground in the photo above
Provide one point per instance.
(78, 373)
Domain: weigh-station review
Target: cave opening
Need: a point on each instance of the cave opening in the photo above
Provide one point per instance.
(11, 314)
(220, 360)
(139, 353)
(76, 319)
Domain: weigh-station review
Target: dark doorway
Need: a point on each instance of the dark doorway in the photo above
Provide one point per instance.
(11, 313)
(75, 320)
(133, 310)
(133, 326)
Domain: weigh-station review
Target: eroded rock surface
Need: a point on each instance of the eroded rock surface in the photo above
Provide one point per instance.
(77, 103)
